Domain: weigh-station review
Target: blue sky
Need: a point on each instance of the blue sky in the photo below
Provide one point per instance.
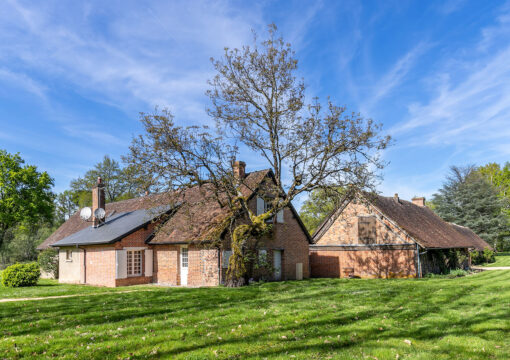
(75, 75)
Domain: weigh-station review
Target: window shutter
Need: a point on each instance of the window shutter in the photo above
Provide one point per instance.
(148, 262)
(260, 205)
(279, 216)
(121, 264)
(226, 258)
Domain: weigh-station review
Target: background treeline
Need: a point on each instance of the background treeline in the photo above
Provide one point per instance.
(475, 197)
(30, 211)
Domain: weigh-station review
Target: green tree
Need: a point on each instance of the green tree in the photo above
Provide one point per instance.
(66, 204)
(317, 207)
(467, 199)
(25, 194)
(499, 177)
(118, 181)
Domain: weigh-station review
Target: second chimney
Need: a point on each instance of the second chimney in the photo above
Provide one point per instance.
(420, 201)
(98, 201)
(239, 169)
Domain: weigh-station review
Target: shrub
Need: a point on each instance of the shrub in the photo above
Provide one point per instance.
(483, 257)
(21, 275)
(48, 261)
(457, 273)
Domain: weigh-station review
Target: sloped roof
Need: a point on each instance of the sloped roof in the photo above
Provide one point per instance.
(198, 217)
(420, 222)
(427, 228)
(115, 227)
(480, 243)
(75, 224)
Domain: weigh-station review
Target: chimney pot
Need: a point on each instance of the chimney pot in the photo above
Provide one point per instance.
(420, 201)
(239, 168)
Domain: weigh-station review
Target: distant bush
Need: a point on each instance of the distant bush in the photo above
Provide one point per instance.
(457, 273)
(21, 275)
(483, 257)
(48, 261)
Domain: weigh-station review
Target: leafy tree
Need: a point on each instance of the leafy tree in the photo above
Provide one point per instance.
(499, 177)
(48, 261)
(66, 204)
(24, 241)
(117, 180)
(467, 199)
(259, 105)
(25, 194)
(317, 207)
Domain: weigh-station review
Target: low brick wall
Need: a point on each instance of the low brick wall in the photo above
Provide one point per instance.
(362, 261)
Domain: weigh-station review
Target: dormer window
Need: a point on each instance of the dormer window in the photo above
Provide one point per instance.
(265, 205)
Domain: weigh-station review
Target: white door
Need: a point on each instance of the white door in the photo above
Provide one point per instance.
(277, 264)
(184, 266)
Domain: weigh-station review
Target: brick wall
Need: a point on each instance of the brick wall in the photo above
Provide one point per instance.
(345, 228)
(203, 267)
(375, 263)
(101, 260)
(166, 264)
(100, 265)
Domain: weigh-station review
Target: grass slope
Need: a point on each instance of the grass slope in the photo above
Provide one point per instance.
(47, 287)
(502, 259)
(462, 318)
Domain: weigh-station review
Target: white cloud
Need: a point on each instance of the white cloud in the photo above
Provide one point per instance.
(140, 57)
(22, 81)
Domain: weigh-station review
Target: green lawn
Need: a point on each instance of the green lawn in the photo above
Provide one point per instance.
(46, 287)
(437, 318)
(502, 259)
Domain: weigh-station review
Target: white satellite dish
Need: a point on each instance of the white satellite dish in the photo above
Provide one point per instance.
(99, 213)
(86, 213)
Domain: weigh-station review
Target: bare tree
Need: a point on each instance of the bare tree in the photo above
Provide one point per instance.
(258, 103)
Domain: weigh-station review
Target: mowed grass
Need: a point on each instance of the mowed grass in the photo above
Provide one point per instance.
(47, 287)
(502, 259)
(437, 318)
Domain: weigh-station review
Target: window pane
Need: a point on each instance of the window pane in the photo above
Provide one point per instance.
(184, 257)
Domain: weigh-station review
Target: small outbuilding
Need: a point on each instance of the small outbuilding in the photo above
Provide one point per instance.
(372, 236)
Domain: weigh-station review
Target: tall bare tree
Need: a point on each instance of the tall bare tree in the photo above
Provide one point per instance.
(258, 103)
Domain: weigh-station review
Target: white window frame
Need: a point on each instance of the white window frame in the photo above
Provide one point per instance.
(69, 255)
(185, 250)
(130, 263)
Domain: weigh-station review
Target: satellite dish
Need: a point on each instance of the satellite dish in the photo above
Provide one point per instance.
(86, 213)
(99, 213)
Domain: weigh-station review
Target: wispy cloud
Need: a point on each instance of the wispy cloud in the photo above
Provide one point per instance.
(393, 77)
(155, 55)
(21, 81)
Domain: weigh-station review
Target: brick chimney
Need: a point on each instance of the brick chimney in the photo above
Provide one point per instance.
(98, 201)
(239, 169)
(420, 201)
(395, 197)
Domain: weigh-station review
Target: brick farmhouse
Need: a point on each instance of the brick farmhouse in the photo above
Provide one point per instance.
(168, 239)
(377, 236)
